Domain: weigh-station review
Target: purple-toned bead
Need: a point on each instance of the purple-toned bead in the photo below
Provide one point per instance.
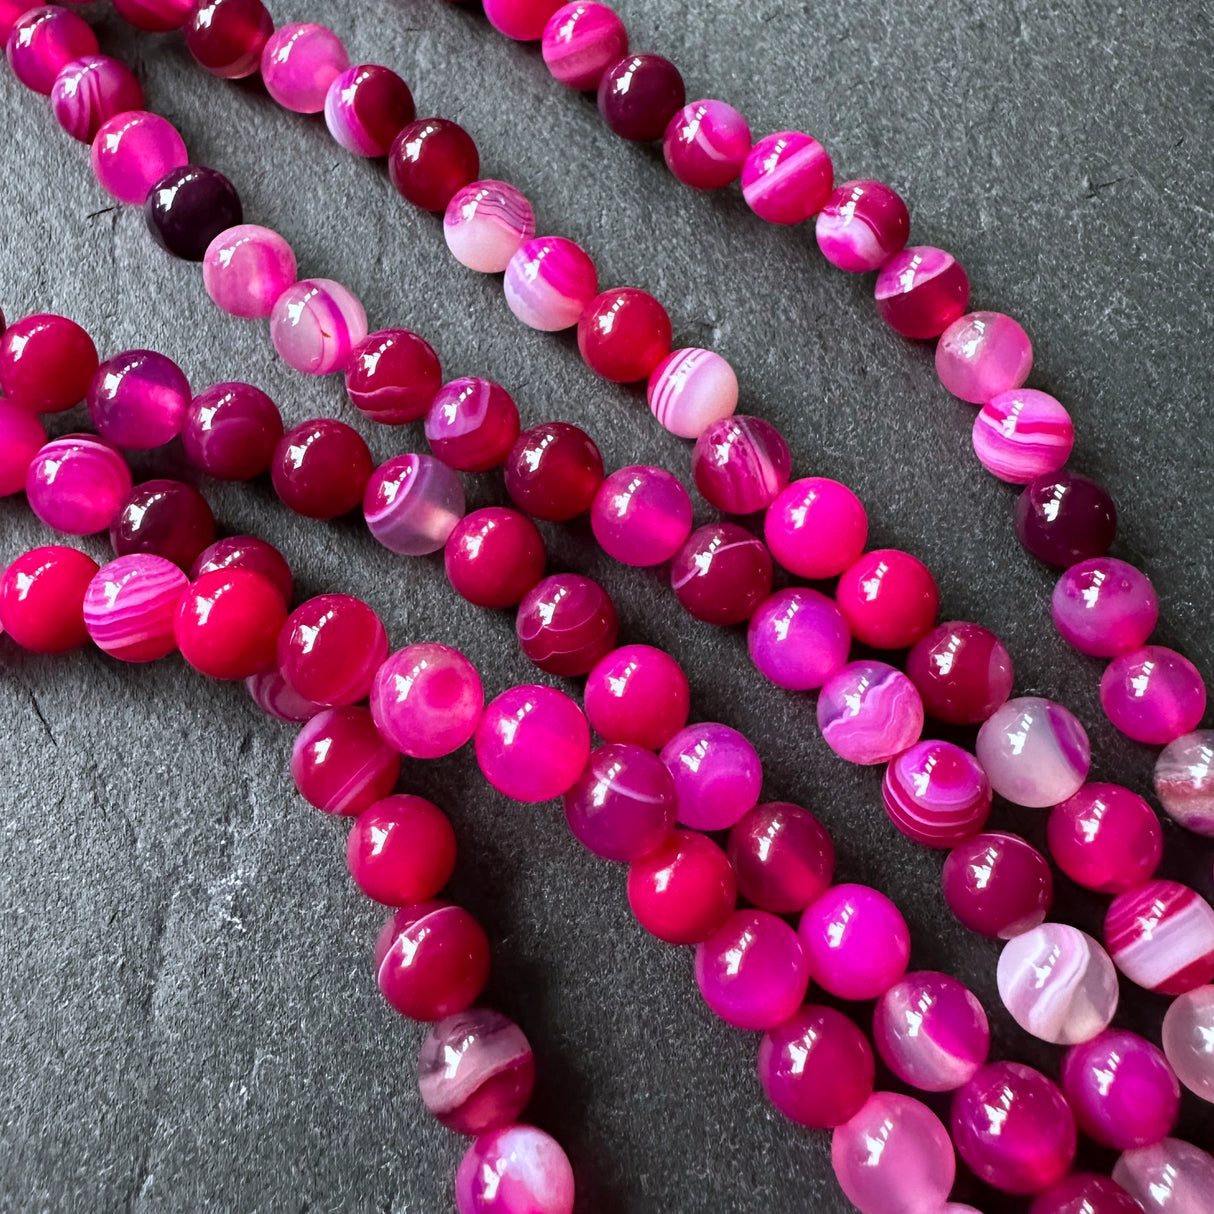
(22, 436)
(134, 150)
(315, 325)
(998, 885)
(42, 42)
(721, 574)
(982, 355)
(298, 64)
(566, 623)
(787, 177)
(130, 607)
(782, 855)
(1161, 936)
(868, 712)
(472, 424)
(164, 517)
(330, 649)
(273, 695)
(1188, 1040)
(1079, 1193)
(476, 1071)
(1023, 434)
(486, 223)
(690, 389)
(76, 484)
(637, 694)
(246, 270)
(962, 671)
(341, 765)
(641, 515)
(366, 107)
(1105, 607)
(549, 282)
(532, 743)
(1065, 518)
(227, 36)
(741, 464)
(717, 774)
(937, 794)
(862, 224)
(1105, 838)
(1171, 1177)
(91, 90)
(515, 1170)
(638, 95)
(426, 700)
(393, 376)
(920, 291)
(412, 503)
(1153, 695)
(230, 431)
(706, 144)
(798, 639)
(188, 208)
(1034, 752)
(856, 942)
(581, 41)
(931, 1031)
(138, 399)
(247, 552)
(1184, 781)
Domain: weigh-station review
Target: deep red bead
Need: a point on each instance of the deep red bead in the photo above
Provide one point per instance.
(339, 762)
(782, 856)
(962, 671)
(188, 207)
(684, 890)
(321, 468)
(250, 553)
(1063, 518)
(231, 431)
(165, 518)
(553, 471)
(472, 424)
(722, 573)
(393, 376)
(227, 36)
(494, 557)
(330, 648)
(366, 108)
(42, 598)
(401, 850)
(639, 95)
(46, 363)
(624, 334)
(888, 598)
(156, 16)
(566, 624)
(639, 695)
(432, 159)
(228, 623)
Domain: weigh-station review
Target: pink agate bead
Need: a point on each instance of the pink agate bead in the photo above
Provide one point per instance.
(1080, 1193)
(227, 627)
(330, 648)
(1034, 752)
(1153, 695)
(1021, 435)
(931, 1031)
(816, 1067)
(982, 355)
(132, 151)
(494, 556)
(532, 743)
(706, 144)
(156, 16)
(246, 270)
(166, 518)
(522, 20)
(641, 515)
(782, 856)
(554, 471)
(472, 424)
(816, 528)
(998, 885)
(637, 694)
(623, 805)
(247, 552)
(888, 598)
(227, 36)
(130, 607)
(741, 464)
(231, 431)
(894, 1157)
(868, 712)
(721, 574)
(1188, 1040)
(861, 225)
(412, 503)
(270, 692)
(1105, 838)
(315, 325)
(623, 335)
(856, 942)
(42, 600)
(798, 639)
(91, 90)
(684, 890)
(426, 700)
(920, 291)
(42, 42)
(138, 399)
(393, 376)
(1121, 1089)
(752, 971)
(476, 1071)
(430, 161)
(514, 1170)
(937, 794)
(1013, 1128)
(787, 177)
(1171, 1177)
(566, 623)
(581, 41)
(298, 64)
(690, 389)
(1184, 781)
(549, 282)
(717, 774)
(22, 436)
(401, 850)
(485, 225)
(1104, 607)
(1161, 936)
(341, 764)
(962, 671)
(366, 107)
(77, 484)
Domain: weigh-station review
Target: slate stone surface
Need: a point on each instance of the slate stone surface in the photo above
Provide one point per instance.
(188, 1016)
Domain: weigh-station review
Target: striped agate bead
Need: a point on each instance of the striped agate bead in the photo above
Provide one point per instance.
(91, 90)
(315, 325)
(787, 177)
(77, 484)
(862, 224)
(1161, 936)
(277, 698)
(486, 223)
(131, 604)
(706, 144)
(1023, 434)
(690, 389)
(549, 282)
(937, 794)
(412, 504)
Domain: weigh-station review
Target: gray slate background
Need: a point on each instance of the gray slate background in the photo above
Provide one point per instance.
(188, 1015)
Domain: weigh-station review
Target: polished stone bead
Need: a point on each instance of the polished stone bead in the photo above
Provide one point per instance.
(856, 942)
(861, 225)
(1034, 751)
(1184, 781)
(130, 606)
(77, 484)
(298, 64)
(247, 269)
(46, 363)
(549, 283)
(683, 891)
(164, 518)
(247, 552)
(1161, 936)
(134, 150)
(816, 528)
(42, 42)
(412, 504)
(787, 177)
(982, 355)
(522, 20)
(623, 334)
(691, 389)
(721, 574)
(316, 325)
(1064, 518)
(638, 95)
(1153, 695)
(741, 464)
(920, 291)
(138, 399)
(156, 16)
(532, 743)
(641, 515)
(998, 885)
(230, 431)
(472, 424)
(22, 436)
(868, 712)
(91, 90)
(1171, 1177)
(393, 376)
(188, 208)
(623, 805)
(936, 794)
(366, 107)
(566, 623)
(581, 41)
(1083, 1193)
(227, 36)
(553, 471)
(269, 691)
(1105, 838)
(494, 556)
(340, 764)
(321, 468)
(962, 671)
(401, 850)
(1023, 434)
(717, 774)
(431, 960)
(888, 598)
(515, 1170)
(706, 144)
(782, 856)
(486, 223)
(330, 648)
(1104, 607)
(798, 639)
(42, 598)
(426, 700)
(637, 694)
(228, 622)
(430, 160)
(1188, 1040)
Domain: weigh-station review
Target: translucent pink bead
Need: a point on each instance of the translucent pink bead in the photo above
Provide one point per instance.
(706, 144)
(298, 64)
(868, 712)
(272, 694)
(515, 1170)
(1184, 781)
(741, 464)
(752, 971)
(486, 223)
(931, 1031)
(247, 268)
(130, 607)
(549, 282)
(581, 41)
(532, 743)
(472, 424)
(412, 504)
(623, 805)
(426, 700)
(1153, 694)
(1105, 838)
(138, 399)
(1080, 1193)
(566, 623)
(1105, 607)
(77, 484)
(717, 774)
(962, 671)
(816, 528)
(1188, 1040)
(798, 639)
(1014, 1129)
(1161, 936)
(861, 225)
(690, 389)
(998, 885)
(340, 763)
(1171, 1177)
(856, 941)
(982, 355)
(330, 648)
(641, 515)
(91, 90)
(315, 325)
(22, 436)
(1023, 434)
(937, 794)
(787, 177)
(637, 694)
(782, 856)
(42, 42)
(132, 151)
(1034, 752)
(894, 1157)
(920, 291)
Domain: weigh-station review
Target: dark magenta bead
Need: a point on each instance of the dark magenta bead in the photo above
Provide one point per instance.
(188, 207)
(637, 694)
(1064, 518)
(91, 90)
(340, 764)
(998, 885)
(553, 471)
(639, 95)
(165, 518)
(228, 36)
(401, 850)
(494, 557)
(1085, 1193)
(393, 376)
(42, 42)
(472, 424)
(721, 574)
(231, 431)
(684, 890)
(366, 108)
(1106, 838)
(250, 553)
(321, 468)
(228, 622)
(42, 598)
(330, 648)
(962, 671)
(566, 624)
(624, 334)
(741, 464)
(155, 16)
(138, 399)
(46, 363)
(782, 856)
(431, 160)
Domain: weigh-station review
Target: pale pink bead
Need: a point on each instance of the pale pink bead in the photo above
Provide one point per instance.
(299, 62)
(581, 41)
(90, 91)
(1171, 1177)
(1023, 434)
(690, 389)
(549, 282)
(486, 223)
(706, 144)
(787, 177)
(133, 151)
(515, 1170)
(247, 268)
(315, 325)
(983, 354)
(861, 225)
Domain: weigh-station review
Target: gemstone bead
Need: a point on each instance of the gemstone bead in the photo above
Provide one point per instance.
(42, 42)
(920, 291)
(1184, 781)
(330, 648)
(1153, 695)
(861, 225)
(22, 436)
(787, 177)
(868, 712)
(165, 518)
(494, 556)
(134, 150)
(431, 960)
(522, 20)
(1083, 1193)
(782, 856)
(1105, 838)
(741, 464)
(472, 424)
(549, 283)
(721, 574)
(228, 36)
(553, 471)
(637, 694)
(998, 885)
(298, 64)
(316, 324)
(581, 41)
(91, 90)
(798, 639)
(638, 95)
(340, 764)
(269, 691)
(706, 144)
(486, 223)
(566, 623)
(426, 700)
(42, 598)
(476, 1071)
(130, 606)
(683, 891)
(962, 671)
(138, 399)
(401, 850)
(982, 355)
(412, 504)
(888, 598)
(856, 942)
(77, 484)
(228, 622)
(1161, 936)
(1171, 1177)
(321, 468)
(366, 107)
(690, 389)
(430, 160)
(246, 270)
(936, 794)
(1064, 518)
(1034, 751)
(247, 552)
(1188, 1040)
(514, 1170)
(816, 528)
(623, 335)
(931, 1031)
(230, 431)
(156, 16)
(641, 515)
(532, 743)
(46, 363)
(1104, 607)
(393, 376)
(1023, 434)
(717, 774)
(188, 208)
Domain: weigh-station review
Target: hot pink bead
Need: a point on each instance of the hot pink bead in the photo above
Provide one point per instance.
(426, 700)
(554, 471)
(623, 334)
(90, 91)
(1161, 936)
(816, 1067)
(717, 774)
(366, 107)
(298, 64)
(430, 161)
(494, 556)
(132, 151)
(1104, 607)
(340, 763)
(46, 363)
(401, 850)
(230, 431)
(998, 885)
(862, 224)
(1171, 1177)
(816, 528)
(856, 942)
(637, 694)
(787, 177)
(623, 805)
(706, 144)
(798, 639)
(164, 517)
(962, 671)
(472, 424)
(42, 599)
(741, 464)
(270, 692)
(1034, 752)
(1153, 695)
(868, 712)
(393, 376)
(983, 355)
(1023, 434)
(1121, 1089)
(684, 890)
(1184, 781)
(522, 20)
(321, 468)
(532, 743)
(549, 282)
(782, 855)
(412, 503)
(330, 648)
(10, 10)
(515, 1170)
(247, 552)
(130, 606)
(894, 1157)
(721, 574)
(931, 1031)
(77, 483)
(1083, 1193)
(42, 42)
(316, 324)
(227, 627)
(1105, 838)
(581, 41)
(157, 16)
(227, 36)
(22, 436)
(888, 598)
(690, 389)
(566, 623)
(937, 794)
(1013, 1127)
(247, 268)
(920, 291)
(486, 223)
(139, 399)
(641, 515)
(1188, 1040)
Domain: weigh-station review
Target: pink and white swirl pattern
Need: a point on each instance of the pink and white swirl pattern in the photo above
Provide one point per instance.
(486, 223)
(130, 607)
(315, 325)
(862, 224)
(1184, 781)
(937, 794)
(549, 282)
(868, 712)
(787, 177)
(77, 483)
(1023, 434)
(1161, 936)
(90, 91)
(690, 389)
(412, 504)
(706, 144)
(1034, 752)
(581, 41)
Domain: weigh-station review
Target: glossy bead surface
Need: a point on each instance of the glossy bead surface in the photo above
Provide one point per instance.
(1188, 1040)
(247, 552)
(330, 648)
(298, 64)
(228, 622)
(623, 804)
(690, 389)
(549, 283)
(431, 960)
(717, 774)
(486, 223)
(426, 700)
(787, 177)
(683, 891)
(1104, 607)
(962, 671)
(430, 160)
(138, 399)
(856, 942)
(888, 598)
(46, 363)
(472, 424)
(816, 528)
(42, 598)
(401, 850)
(1153, 695)
(1023, 434)
(514, 1170)
(77, 484)
(1105, 838)
(393, 376)
(623, 335)
(553, 471)
(316, 324)
(920, 291)
(1184, 781)
(641, 515)
(340, 764)
(782, 856)
(1083, 1193)
(998, 885)
(798, 639)
(412, 504)
(1171, 1177)
(1034, 752)
(269, 691)
(706, 144)
(188, 208)
(566, 623)
(227, 36)
(230, 431)
(494, 556)
(320, 468)
(861, 225)
(42, 42)
(532, 743)
(721, 574)
(130, 606)
(156, 16)
(581, 41)
(366, 107)
(982, 355)
(936, 794)
(247, 269)
(134, 150)
(1065, 518)
(1161, 936)
(22, 436)
(868, 712)
(637, 694)
(638, 95)
(91, 90)
(741, 464)
(522, 20)
(164, 518)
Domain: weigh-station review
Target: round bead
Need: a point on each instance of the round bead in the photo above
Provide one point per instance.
(637, 694)
(340, 764)
(623, 334)
(1065, 518)
(138, 399)
(486, 223)
(1023, 434)
(1153, 695)
(1184, 781)
(868, 712)
(46, 363)
(566, 623)
(936, 794)
(320, 468)
(920, 291)
(888, 598)
(430, 160)
(227, 36)
(782, 856)
(165, 518)
(130, 606)
(861, 225)
(982, 355)
(77, 484)
(42, 42)
(412, 504)
(246, 270)
(706, 144)
(683, 891)
(717, 774)
(366, 107)
(1105, 838)
(155, 16)
(721, 574)
(962, 671)
(581, 41)
(401, 850)
(931, 1031)
(330, 648)
(522, 20)
(1188, 1040)
(1104, 607)
(494, 557)
(998, 885)
(1171, 1177)
(475, 1071)
(472, 424)
(816, 528)
(247, 552)
(134, 150)
(741, 464)
(91, 90)
(532, 743)
(269, 691)
(316, 324)
(623, 805)
(641, 515)
(549, 283)
(230, 431)
(431, 960)
(1034, 751)
(298, 64)
(553, 471)
(856, 942)
(393, 376)
(1161, 936)
(426, 700)
(690, 389)
(42, 598)
(188, 208)
(228, 622)
(638, 95)
(22, 436)
(1083, 1193)
(787, 177)
(515, 1170)
(798, 639)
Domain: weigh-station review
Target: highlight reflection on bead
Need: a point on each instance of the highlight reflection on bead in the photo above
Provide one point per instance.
(1184, 781)
(691, 389)
(130, 606)
(787, 177)
(412, 504)
(862, 224)
(315, 325)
